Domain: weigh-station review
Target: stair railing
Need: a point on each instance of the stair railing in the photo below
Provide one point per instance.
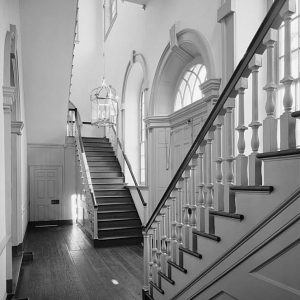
(86, 177)
(118, 142)
(199, 190)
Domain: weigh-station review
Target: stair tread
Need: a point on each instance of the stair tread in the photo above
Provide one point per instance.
(207, 235)
(119, 219)
(114, 211)
(107, 190)
(296, 114)
(120, 237)
(252, 188)
(226, 214)
(280, 153)
(157, 287)
(193, 253)
(166, 278)
(113, 196)
(114, 203)
(182, 269)
(120, 228)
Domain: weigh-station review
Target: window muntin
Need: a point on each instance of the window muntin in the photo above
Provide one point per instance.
(189, 88)
(142, 134)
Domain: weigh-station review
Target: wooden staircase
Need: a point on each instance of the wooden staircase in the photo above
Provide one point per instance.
(117, 217)
(227, 226)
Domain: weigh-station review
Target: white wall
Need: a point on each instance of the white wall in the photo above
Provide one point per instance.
(88, 67)
(47, 36)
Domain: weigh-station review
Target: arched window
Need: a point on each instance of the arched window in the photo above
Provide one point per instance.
(142, 128)
(189, 87)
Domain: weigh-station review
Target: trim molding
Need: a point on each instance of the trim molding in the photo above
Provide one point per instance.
(225, 10)
(4, 242)
(284, 205)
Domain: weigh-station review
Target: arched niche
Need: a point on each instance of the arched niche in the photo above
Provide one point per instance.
(134, 84)
(184, 47)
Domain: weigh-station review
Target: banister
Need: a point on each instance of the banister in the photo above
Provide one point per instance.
(272, 20)
(78, 126)
(130, 168)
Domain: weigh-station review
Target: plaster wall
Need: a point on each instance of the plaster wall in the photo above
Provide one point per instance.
(47, 35)
(88, 60)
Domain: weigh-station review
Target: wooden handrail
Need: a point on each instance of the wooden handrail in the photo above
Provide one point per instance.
(130, 168)
(82, 151)
(272, 20)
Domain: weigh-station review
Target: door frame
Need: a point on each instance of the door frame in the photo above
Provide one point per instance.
(32, 169)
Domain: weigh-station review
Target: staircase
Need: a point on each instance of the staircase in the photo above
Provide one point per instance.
(118, 222)
(228, 225)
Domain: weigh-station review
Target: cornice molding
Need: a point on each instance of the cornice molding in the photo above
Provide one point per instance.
(157, 122)
(17, 127)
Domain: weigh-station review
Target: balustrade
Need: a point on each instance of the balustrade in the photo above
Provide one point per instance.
(203, 182)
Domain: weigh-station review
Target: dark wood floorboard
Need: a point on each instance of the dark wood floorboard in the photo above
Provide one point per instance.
(66, 266)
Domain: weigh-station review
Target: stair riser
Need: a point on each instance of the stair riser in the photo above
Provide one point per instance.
(106, 175)
(97, 145)
(105, 168)
(104, 192)
(116, 215)
(91, 158)
(118, 242)
(102, 157)
(103, 164)
(114, 200)
(108, 224)
(108, 180)
(99, 149)
(129, 206)
(95, 140)
(99, 152)
(118, 232)
(108, 186)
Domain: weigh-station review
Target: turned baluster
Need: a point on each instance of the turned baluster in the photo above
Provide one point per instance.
(169, 228)
(179, 227)
(193, 224)
(146, 260)
(154, 254)
(174, 244)
(241, 160)
(287, 122)
(209, 183)
(163, 242)
(151, 241)
(270, 123)
(229, 201)
(201, 201)
(186, 216)
(255, 177)
(219, 186)
(159, 252)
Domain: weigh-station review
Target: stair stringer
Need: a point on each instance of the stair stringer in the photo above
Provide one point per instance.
(255, 206)
(245, 272)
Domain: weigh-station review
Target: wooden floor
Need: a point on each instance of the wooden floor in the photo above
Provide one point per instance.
(66, 266)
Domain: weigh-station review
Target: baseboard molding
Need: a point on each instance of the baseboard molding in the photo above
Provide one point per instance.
(9, 286)
(17, 250)
(33, 224)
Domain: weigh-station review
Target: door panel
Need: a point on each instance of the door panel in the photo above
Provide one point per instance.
(45, 186)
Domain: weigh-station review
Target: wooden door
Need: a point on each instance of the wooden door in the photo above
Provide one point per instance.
(45, 193)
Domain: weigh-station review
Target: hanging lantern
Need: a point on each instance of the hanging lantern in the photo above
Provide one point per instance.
(104, 105)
